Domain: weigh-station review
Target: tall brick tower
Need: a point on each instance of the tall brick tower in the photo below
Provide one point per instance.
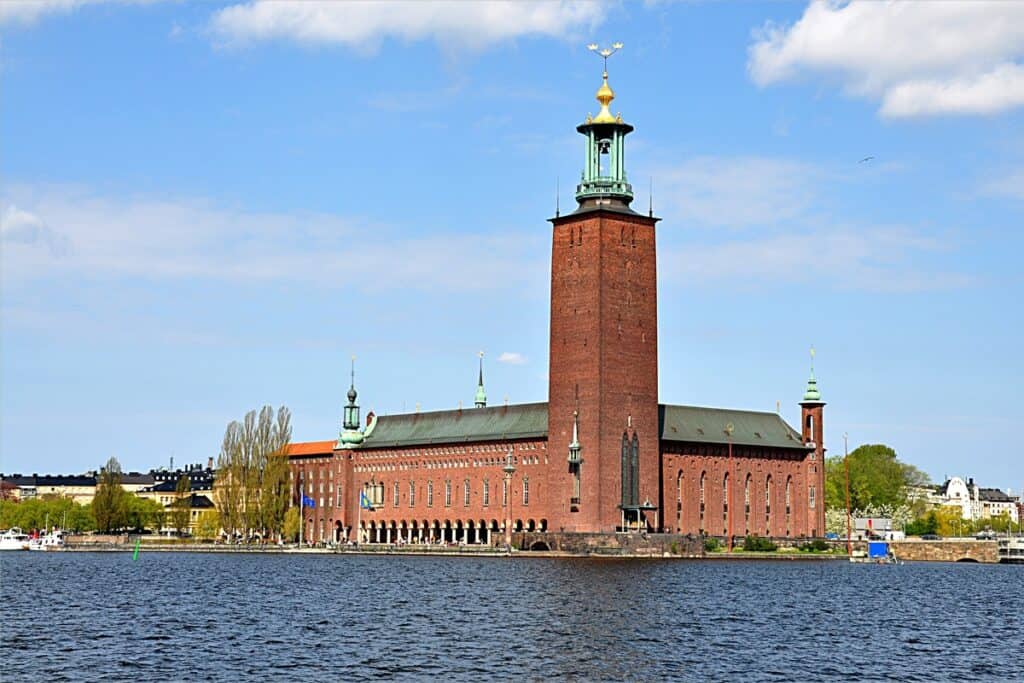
(812, 409)
(603, 388)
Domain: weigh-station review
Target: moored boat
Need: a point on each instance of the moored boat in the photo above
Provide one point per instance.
(51, 541)
(1011, 550)
(14, 539)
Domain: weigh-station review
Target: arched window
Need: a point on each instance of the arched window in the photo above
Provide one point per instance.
(789, 499)
(627, 484)
(465, 493)
(746, 504)
(487, 493)
(634, 465)
(703, 476)
(430, 494)
(447, 493)
(526, 491)
(725, 503)
(810, 498)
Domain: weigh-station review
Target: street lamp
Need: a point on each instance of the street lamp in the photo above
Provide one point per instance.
(509, 469)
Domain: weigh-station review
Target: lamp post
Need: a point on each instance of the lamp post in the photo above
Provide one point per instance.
(846, 465)
(509, 469)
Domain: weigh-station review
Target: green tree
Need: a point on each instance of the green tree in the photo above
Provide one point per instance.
(252, 490)
(290, 530)
(877, 479)
(208, 525)
(110, 504)
(144, 513)
(181, 508)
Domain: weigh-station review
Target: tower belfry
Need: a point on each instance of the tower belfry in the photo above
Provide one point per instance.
(604, 170)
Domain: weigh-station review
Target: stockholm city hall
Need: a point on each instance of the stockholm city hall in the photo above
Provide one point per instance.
(602, 455)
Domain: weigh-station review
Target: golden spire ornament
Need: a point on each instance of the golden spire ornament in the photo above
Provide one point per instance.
(605, 94)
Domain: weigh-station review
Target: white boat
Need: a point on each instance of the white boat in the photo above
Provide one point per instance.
(51, 541)
(14, 539)
(1011, 550)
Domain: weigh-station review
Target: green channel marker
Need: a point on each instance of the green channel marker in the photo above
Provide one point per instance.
(135, 555)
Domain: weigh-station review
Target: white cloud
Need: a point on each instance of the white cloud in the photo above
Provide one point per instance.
(917, 58)
(1009, 185)
(19, 227)
(512, 358)
(364, 25)
(877, 259)
(27, 12)
(736, 192)
(76, 232)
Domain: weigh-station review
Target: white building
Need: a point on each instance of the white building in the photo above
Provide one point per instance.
(975, 502)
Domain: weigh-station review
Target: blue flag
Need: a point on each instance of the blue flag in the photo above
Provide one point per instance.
(364, 501)
(308, 502)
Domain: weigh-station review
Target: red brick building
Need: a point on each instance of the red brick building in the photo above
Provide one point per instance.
(602, 455)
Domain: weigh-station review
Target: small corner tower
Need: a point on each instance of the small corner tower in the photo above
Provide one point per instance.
(812, 409)
(603, 364)
(350, 435)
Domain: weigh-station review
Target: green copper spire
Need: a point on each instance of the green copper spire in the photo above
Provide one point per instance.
(603, 180)
(481, 395)
(812, 394)
(350, 435)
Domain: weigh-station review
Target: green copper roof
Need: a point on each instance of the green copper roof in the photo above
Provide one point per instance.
(523, 421)
(530, 420)
(708, 425)
(812, 393)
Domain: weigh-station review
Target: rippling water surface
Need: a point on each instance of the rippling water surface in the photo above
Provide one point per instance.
(171, 616)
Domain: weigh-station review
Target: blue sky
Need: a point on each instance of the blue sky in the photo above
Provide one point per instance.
(208, 207)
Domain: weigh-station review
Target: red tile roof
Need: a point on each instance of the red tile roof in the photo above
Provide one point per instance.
(311, 448)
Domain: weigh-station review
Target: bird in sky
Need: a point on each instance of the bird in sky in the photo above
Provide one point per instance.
(865, 159)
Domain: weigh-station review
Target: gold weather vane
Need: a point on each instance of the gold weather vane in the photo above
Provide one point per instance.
(605, 95)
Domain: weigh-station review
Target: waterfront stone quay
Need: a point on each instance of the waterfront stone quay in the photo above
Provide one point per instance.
(553, 544)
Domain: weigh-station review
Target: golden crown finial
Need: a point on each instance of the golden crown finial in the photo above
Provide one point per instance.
(605, 94)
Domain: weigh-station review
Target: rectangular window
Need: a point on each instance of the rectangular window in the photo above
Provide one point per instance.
(504, 493)
(487, 493)
(339, 497)
(430, 494)
(396, 494)
(526, 491)
(810, 497)
(465, 493)
(448, 493)
(412, 494)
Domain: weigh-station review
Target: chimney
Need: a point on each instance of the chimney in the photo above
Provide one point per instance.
(209, 463)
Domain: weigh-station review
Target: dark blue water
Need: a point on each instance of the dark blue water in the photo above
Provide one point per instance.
(170, 617)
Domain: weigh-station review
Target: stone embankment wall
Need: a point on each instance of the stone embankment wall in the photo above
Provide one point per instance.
(946, 551)
(654, 545)
(84, 540)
